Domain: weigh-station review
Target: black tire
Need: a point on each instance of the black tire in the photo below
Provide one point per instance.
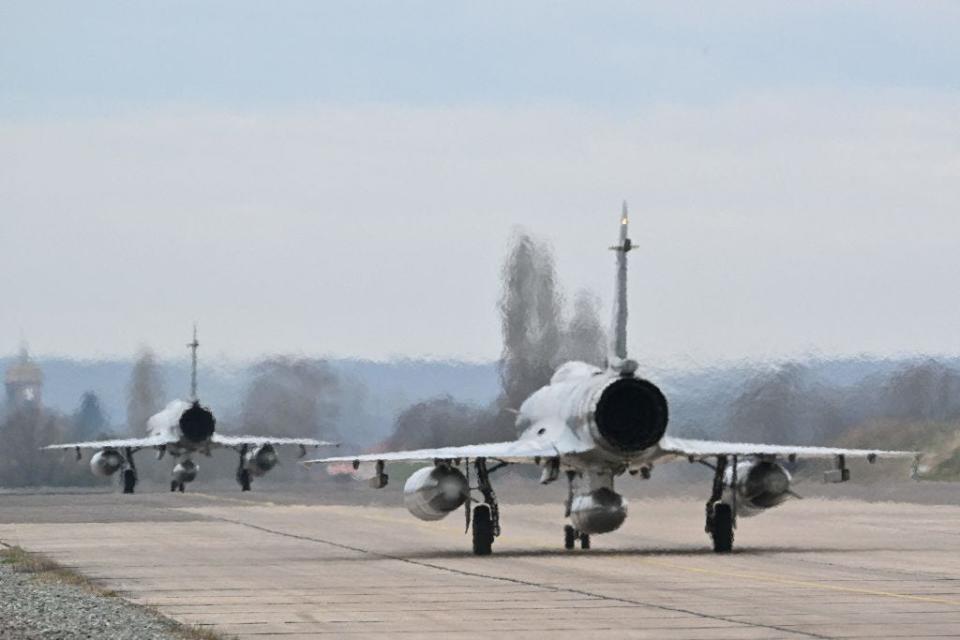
(181, 487)
(482, 531)
(584, 541)
(129, 480)
(243, 477)
(569, 537)
(722, 528)
(173, 486)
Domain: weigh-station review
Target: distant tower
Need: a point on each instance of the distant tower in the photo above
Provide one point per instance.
(24, 382)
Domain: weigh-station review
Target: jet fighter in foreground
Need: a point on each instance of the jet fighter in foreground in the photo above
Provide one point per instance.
(183, 429)
(593, 425)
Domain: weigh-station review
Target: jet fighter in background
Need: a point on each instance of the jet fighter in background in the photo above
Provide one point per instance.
(185, 429)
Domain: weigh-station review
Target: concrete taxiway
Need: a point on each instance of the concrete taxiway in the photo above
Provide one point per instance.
(284, 564)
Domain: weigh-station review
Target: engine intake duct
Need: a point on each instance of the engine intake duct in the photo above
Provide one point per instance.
(631, 414)
(197, 423)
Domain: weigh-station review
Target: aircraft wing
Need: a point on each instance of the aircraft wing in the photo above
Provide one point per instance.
(133, 443)
(709, 448)
(512, 451)
(256, 441)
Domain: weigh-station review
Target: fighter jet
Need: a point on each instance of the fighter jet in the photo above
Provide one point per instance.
(592, 425)
(185, 429)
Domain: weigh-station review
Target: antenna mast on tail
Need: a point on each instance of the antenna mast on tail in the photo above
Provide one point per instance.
(618, 341)
(193, 369)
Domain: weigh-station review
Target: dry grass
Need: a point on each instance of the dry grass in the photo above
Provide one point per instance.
(42, 568)
(193, 632)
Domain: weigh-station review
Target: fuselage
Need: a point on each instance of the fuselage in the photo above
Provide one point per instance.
(615, 419)
(189, 424)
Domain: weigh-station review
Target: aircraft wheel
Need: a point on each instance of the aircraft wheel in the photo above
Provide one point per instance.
(173, 485)
(181, 487)
(722, 528)
(129, 480)
(584, 541)
(482, 531)
(243, 477)
(569, 537)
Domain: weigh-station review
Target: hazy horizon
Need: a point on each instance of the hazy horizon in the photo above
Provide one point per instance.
(345, 180)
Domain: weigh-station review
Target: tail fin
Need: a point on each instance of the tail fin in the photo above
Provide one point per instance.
(193, 367)
(618, 339)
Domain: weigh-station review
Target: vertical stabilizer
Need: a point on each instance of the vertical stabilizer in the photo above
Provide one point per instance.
(193, 366)
(618, 338)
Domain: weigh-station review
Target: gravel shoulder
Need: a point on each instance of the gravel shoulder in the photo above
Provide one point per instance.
(41, 600)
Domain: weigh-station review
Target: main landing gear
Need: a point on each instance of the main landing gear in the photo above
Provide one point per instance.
(244, 478)
(482, 530)
(176, 486)
(486, 517)
(721, 517)
(129, 476)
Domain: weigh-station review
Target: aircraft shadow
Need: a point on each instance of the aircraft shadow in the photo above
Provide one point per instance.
(621, 552)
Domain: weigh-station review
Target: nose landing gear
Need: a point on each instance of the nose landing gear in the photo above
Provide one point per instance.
(571, 536)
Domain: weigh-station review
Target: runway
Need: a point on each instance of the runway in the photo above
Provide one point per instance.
(283, 564)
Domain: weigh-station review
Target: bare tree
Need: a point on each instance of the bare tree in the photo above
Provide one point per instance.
(292, 397)
(585, 338)
(531, 320)
(145, 394)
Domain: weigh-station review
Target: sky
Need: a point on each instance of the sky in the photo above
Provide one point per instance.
(344, 178)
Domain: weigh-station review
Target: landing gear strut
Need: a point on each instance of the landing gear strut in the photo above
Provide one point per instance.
(243, 475)
(129, 477)
(486, 517)
(721, 517)
(570, 533)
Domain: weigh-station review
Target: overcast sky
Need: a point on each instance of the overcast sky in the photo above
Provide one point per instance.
(343, 178)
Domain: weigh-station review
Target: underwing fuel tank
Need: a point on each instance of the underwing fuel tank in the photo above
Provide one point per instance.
(433, 492)
(600, 511)
(106, 462)
(185, 471)
(260, 459)
(761, 485)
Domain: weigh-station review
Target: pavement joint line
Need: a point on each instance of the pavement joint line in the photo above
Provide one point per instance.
(801, 583)
(520, 581)
(772, 579)
(701, 570)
